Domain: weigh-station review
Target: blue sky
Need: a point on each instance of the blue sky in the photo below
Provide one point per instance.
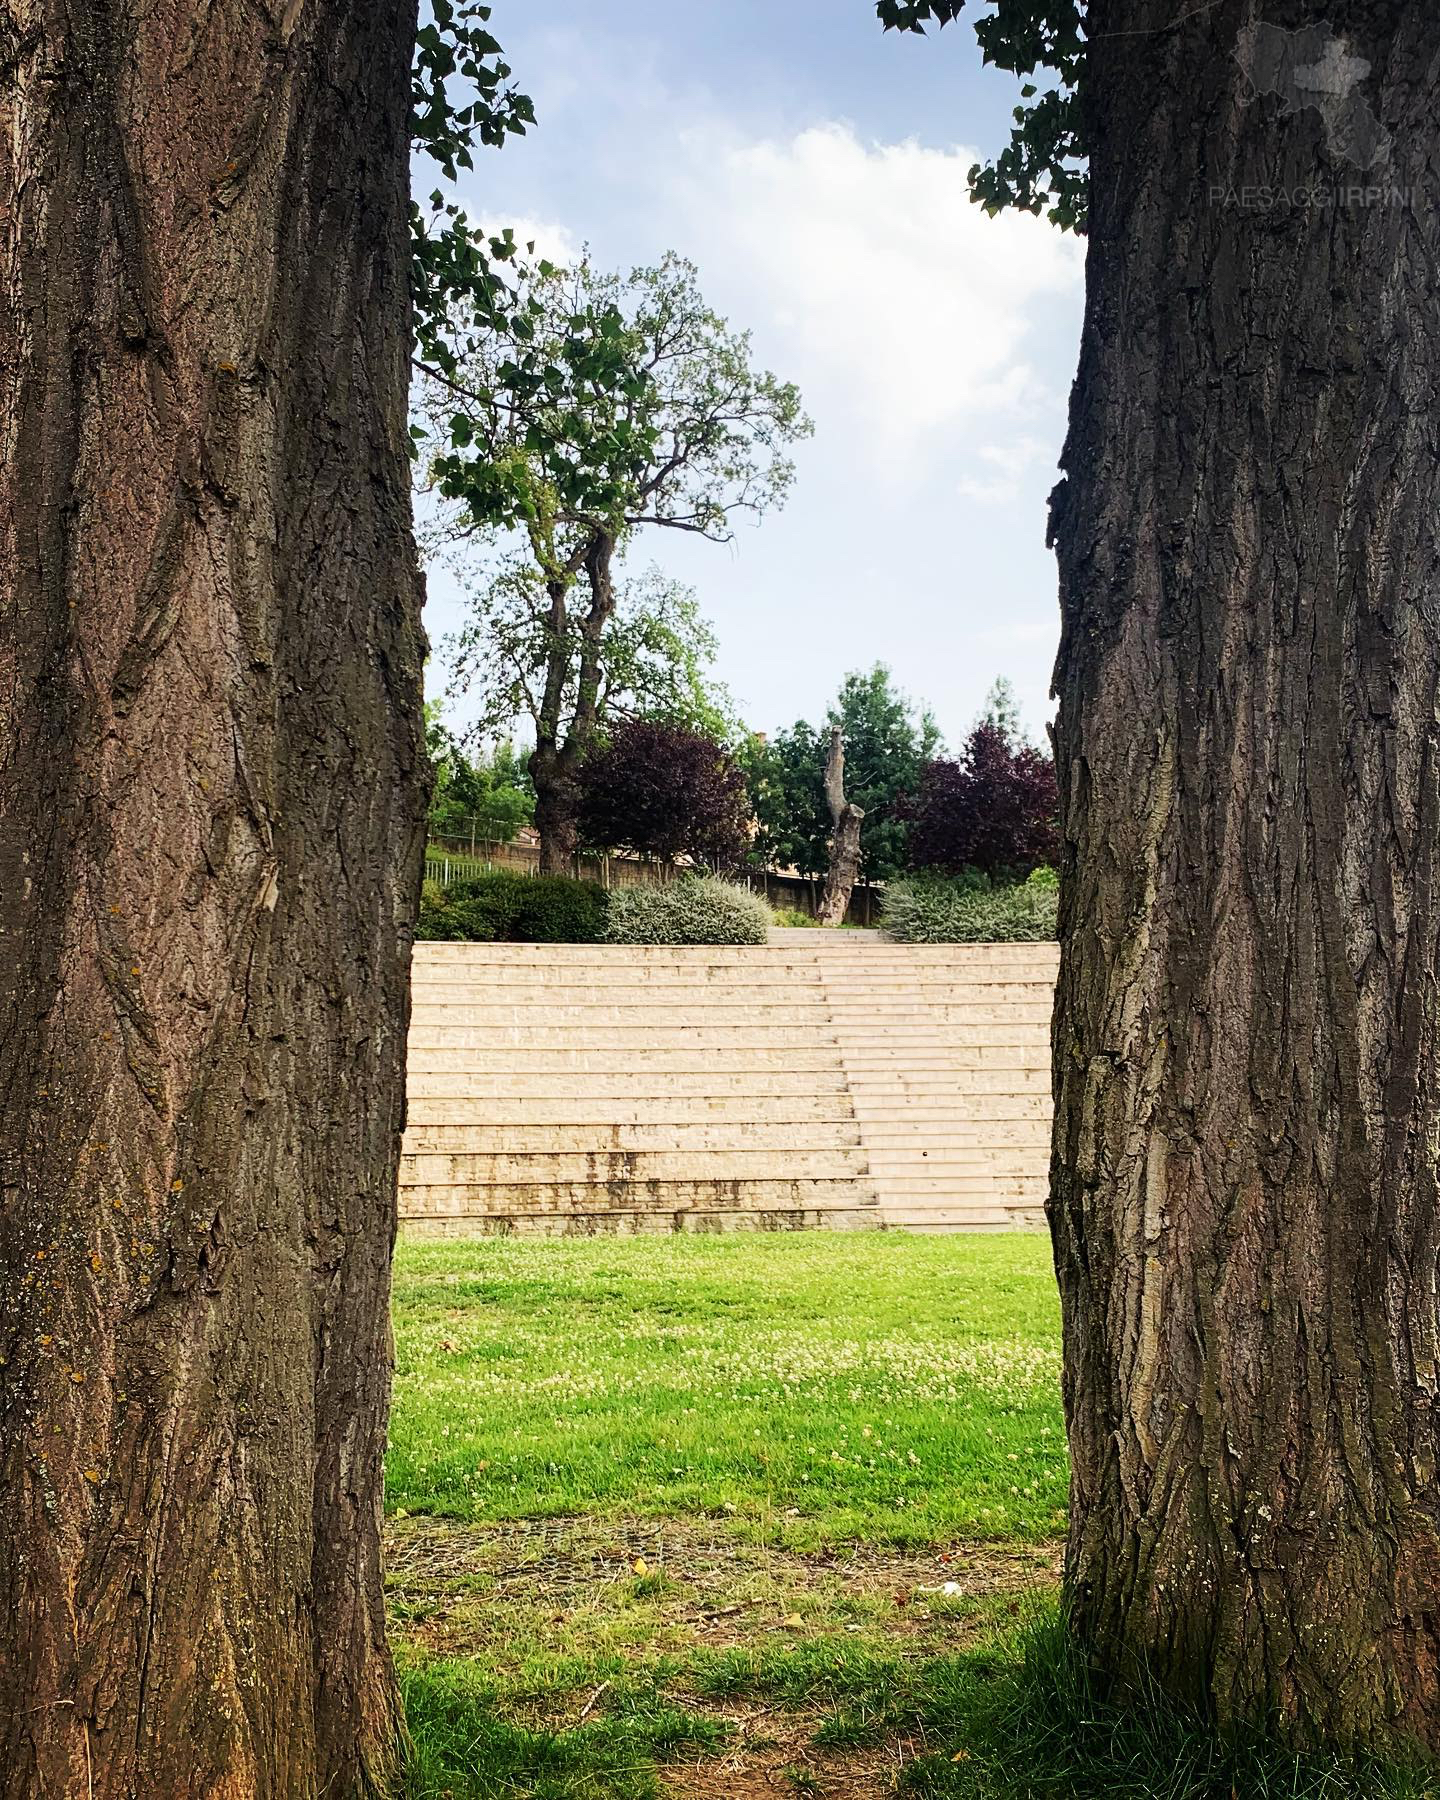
(814, 168)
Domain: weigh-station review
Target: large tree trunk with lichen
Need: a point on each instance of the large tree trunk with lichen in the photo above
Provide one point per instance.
(1247, 1040)
(211, 787)
(846, 819)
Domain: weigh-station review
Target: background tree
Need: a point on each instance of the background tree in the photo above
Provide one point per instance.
(211, 812)
(1247, 1071)
(516, 657)
(1002, 710)
(780, 773)
(993, 811)
(887, 744)
(647, 412)
(488, 795)
(659, 788)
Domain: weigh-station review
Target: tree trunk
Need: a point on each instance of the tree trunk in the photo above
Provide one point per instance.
(555, 810)
(846, 818)
(555, 762)
(1247, 1039)
(211, 798)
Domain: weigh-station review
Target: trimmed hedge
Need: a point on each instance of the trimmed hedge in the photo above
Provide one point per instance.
(507, 908)
(935, 911)
(693, 910)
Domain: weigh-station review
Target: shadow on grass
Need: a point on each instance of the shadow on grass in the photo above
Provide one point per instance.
(464, 1750)
(1019, 1718)
(1029, 1721)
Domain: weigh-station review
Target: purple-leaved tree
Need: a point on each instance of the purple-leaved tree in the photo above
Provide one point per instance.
(664, 790)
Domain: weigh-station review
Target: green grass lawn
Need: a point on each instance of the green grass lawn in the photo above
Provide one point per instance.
(727, 1518)
(813, 1387)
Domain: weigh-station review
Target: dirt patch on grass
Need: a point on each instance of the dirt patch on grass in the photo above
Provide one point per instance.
(785, 1765)
(694, 1573)
(574, 1619)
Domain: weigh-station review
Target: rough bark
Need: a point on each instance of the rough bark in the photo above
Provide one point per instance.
(211, 787)
(561, 747)
(557, 802)
(846, 820)
(1247, 1038)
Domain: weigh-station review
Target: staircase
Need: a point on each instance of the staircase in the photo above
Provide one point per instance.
(826, 1079)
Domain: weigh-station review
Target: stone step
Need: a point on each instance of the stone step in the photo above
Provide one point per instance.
(621, 1037)
(662, 1111)
(900, 1140)
(666, 1108)
(932, 1118)
(915, 1189)
(762, 1015)
(952, 1218)
(981, 1156)
(1011, 1025)
(865, 1017)
(964, 1162)
(900, 1041)
(606, 1017)
(1027, 1051)
(745, 956)
(449, 1200)
(705, 1087)
(603, 1168)
(604, 1138)
(427, 1066)
(611, 1222)
(934, 1087)
(680, 985)
(1012, 1201)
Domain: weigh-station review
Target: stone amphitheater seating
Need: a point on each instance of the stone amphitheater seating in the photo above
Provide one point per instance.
(826, 1079)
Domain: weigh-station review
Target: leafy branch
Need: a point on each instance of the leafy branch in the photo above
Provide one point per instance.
(1042, 168)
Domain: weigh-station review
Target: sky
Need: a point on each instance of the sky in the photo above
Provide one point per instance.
(814, 168)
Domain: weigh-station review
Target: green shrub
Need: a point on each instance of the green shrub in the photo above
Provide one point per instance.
(693, 910)
(792, 918)
(935, 911)
(557, 910)
(1044, 879)
(514, 909)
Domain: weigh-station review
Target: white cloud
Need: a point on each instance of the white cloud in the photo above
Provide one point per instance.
(553, 242)
(998, 479)
(905, 310)
(933, 346)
